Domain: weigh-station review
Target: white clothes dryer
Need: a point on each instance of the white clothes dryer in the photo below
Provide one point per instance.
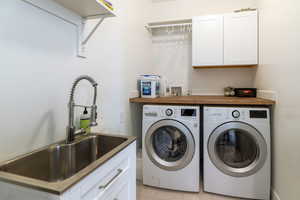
(237, 151)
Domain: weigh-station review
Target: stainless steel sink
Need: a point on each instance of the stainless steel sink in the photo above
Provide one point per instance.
(58, 162)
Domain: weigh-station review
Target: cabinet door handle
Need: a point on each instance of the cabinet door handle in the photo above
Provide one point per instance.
(111, 180)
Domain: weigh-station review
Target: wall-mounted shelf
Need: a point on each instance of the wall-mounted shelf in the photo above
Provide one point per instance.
(224, 66)
(87, 8)
(76, 12)
(169, 24)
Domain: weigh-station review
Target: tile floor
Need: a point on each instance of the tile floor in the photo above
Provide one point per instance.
(150, 193)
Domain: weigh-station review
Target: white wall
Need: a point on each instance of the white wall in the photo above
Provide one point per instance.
(38, 66)
(180, 9)
(279, 71)
(172, 52)
(36, 72)
(120, 53)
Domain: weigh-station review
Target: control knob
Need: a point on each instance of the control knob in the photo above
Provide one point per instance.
(236, 114)
(169, 112)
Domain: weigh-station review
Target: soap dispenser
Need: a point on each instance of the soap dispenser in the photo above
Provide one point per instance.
(85, 120)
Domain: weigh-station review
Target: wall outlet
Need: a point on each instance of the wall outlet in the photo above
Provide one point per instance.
(122, 117)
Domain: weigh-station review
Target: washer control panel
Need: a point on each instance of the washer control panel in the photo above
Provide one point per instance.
(188, 112)
(258, 114)
(171, 112)
(179, 112)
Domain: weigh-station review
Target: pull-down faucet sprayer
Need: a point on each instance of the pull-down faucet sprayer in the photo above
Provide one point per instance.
(71, 129)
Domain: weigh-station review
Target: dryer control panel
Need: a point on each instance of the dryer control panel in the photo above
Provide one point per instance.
(237, 113)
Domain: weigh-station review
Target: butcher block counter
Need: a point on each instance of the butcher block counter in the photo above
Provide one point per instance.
(204, 100)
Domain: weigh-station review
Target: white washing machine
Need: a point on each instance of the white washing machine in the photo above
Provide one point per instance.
(171, 147)
(237, 152)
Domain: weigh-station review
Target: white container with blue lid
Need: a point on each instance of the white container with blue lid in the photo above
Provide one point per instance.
(150, 86)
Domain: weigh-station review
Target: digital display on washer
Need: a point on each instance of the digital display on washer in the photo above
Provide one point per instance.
(188, 112)
(261, 114)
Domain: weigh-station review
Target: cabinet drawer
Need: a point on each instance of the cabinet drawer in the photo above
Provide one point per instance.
(104, 180)
(119, 190)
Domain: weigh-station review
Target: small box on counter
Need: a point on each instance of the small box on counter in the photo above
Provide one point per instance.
(245, 92)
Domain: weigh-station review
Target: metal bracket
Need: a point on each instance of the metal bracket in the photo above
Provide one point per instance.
(82, 42)
(92, 31)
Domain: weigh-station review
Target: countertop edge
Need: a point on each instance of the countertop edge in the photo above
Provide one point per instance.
(205, 100)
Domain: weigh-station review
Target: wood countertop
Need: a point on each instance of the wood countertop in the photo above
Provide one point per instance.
(205, 100)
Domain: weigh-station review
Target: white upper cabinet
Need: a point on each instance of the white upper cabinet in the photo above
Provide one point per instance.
(208, 40)
(225, 40)
(241, 38)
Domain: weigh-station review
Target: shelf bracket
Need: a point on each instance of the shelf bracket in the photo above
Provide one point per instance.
(54, 9)
(83, 41)
(93, 31)
(148, 29)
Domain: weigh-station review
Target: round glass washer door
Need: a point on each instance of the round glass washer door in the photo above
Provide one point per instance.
(237, 149)
(170, 145)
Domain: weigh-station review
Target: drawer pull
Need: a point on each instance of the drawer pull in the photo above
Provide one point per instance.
(111, 180)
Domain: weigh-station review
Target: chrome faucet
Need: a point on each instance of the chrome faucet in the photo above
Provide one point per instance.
(71, 129)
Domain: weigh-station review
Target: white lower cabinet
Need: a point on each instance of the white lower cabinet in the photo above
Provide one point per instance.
(114, 180)
(118, 192)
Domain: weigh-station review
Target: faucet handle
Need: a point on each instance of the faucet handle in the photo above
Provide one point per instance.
(93, 124)
(94, 116)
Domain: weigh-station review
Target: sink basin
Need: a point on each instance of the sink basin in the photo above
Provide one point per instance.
(61, 161)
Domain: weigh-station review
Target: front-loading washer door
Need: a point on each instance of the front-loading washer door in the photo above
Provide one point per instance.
(170, 145)
(237, 149)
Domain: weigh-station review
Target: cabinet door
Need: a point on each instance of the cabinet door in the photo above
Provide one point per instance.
(208, 40)
(241, 38)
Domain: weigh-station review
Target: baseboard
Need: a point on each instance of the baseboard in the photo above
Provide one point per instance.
(275, 196)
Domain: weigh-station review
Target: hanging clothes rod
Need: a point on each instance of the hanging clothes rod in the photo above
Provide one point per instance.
(167, 25)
